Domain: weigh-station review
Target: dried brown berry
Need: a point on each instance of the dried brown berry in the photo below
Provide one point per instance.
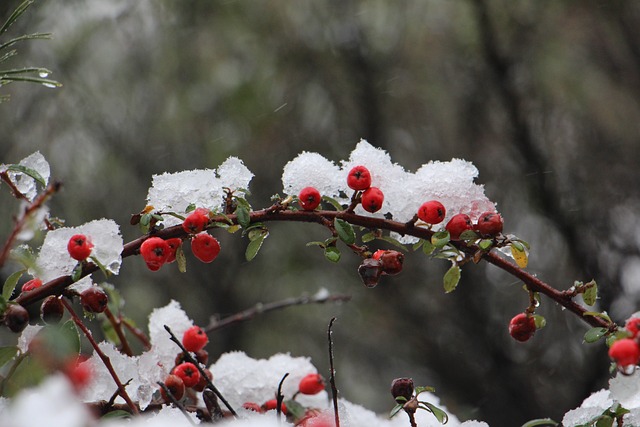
(370, 271)
(16, 317)
(402, 387)
(51, 310)
(94, 299)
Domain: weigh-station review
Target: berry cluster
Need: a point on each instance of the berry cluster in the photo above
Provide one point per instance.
(489, 224)
(185, 376)
(625, 352)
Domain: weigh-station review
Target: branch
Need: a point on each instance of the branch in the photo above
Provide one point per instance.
(332, 375)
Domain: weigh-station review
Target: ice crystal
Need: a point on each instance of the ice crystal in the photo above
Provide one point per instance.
(25, 183)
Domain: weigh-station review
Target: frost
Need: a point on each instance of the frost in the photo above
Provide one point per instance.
(626, 390)
(54, 260)
(26, 336)
(312, 170)
(51, 404)
(23, 182)
(175, 318)
(242, 379)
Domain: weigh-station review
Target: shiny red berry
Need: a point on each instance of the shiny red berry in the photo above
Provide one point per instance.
(272, 404)
(51, 310)
(625, 352)
(391, 262)
(489, 224)
(252, 406)
(402, 387)
(309, 198)
(196, 221)
(176, 387)
(94, 299)
(79, 247)
(16, 317)
(188, 372)
(205, 247)
(372, 199)
(174, 244)
(155, 252)
(31, 285)
(194, 338)
(311, 384)
(359, 178)
(457, 225)
(432, 212)
(633, 326)
(522, 327)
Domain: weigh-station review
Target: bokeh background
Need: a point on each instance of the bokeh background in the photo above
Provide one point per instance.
(541, 96)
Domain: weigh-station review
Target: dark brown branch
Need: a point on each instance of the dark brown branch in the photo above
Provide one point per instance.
(117, 327)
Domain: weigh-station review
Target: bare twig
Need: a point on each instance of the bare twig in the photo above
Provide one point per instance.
(190, 358)
(175, 401)
(105, 359)
(332, 375)
(280, 397)
(117, 326)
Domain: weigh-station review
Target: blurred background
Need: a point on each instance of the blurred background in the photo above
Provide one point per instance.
(543, 97)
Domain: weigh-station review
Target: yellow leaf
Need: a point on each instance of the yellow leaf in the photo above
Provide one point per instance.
(520, 256)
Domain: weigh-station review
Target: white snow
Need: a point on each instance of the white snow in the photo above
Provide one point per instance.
(23, 182)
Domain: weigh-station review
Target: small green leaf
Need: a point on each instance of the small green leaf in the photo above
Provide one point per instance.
(422, 389)
(145, 220)
(368, 237)
(468, 235)
(181, 260)
(345, 231)
(590, 294)
(76, 274)
(333, 202)
(254, 246)
(604, 421)
(242, 214)
(594, 334)
(428, 247)
(71, 335)
(417, 245)
(437, 412)
(540, 422)
(294, 409)
(540, 321)
(190, 208)
(395, 410)
(451, 278)
(10, 284)
(485, 244)
(6, 354)
(332, 253)
(116, 414)
(440, 238)
(28, 171)
(602, 315)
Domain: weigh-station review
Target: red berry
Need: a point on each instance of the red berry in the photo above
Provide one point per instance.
(522, 327)
(633, 326)
(174, 244)
(402, 387)
(188, 372)
(194, 339)
(252, 406)
(372, 199)
(79, 374)
(16, 317)
(31, 285)
(94, 299)
(311, 384)
(625, 352)
(79, 247)
(51, 310)
(391, 262)
(196, 221)
(489, 224)
(457, 225)
(318, 420)
(432, 212)
(175, 385)
(155, 252)
(205, 247)
(309, 198)
(272, 404)
(359, 178)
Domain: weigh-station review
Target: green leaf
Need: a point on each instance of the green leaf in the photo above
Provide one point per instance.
(190, 208)
(422, 389)
(333, 202)
(181, 260)
(485, 244)
(345, 231)
(6, 354)
(332, 253)
(28, 171)
(368, 237)
(540, 321)
(440, 238)
(428, 247)
(254, 246)
(243, 216)
(605, 421)
(71, 334)
(417, 245)
(145, 220)
(451, 278)
(437, 412)
(294, 409)
(540, 422)
(118, 414)
(594, 334)
(469, 235)
(76, 274)
(602, 315)
(590, 294)
(10, 284)
(395, 410)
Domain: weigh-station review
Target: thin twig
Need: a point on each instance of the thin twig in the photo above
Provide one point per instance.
(248, 314)
(117, 326)
(137, 333)
(175, 401)
(280, 397)
(332, 375)
(105, 359)
(190, 358)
